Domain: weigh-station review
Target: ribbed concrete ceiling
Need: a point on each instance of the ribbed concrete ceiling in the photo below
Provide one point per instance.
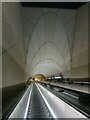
(48, 39)
(46, 45)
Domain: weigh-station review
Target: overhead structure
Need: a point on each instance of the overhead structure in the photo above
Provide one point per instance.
(51, 39)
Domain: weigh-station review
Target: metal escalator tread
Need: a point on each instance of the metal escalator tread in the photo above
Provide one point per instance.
(37, 106)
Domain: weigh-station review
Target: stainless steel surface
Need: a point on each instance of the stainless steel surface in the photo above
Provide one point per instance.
(76, 87)
(37, 107)
(38, 102)
(58, 106)
(20, 110)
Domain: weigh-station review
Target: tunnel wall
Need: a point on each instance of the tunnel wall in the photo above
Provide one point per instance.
(13, 59)
(79, 63)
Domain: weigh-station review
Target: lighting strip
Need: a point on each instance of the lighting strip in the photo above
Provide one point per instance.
(26, 111)
(52, 112)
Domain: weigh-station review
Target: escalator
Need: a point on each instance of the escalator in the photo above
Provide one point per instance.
(37, 106)
(38, 102)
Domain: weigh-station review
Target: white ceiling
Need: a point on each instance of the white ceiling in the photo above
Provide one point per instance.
(48, 35)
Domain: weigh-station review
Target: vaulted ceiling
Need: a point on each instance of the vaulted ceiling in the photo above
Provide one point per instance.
(48, 37)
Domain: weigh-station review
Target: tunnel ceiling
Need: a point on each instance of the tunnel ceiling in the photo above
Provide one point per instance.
(48, 39)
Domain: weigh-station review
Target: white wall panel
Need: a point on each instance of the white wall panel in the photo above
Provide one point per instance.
(12, 72)
(66, 15)
(18, 54)
(13, 59)
(28, 27)
(32, 14)
(80, 47)
(69, 27)
(11, 35)
(10, 11)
